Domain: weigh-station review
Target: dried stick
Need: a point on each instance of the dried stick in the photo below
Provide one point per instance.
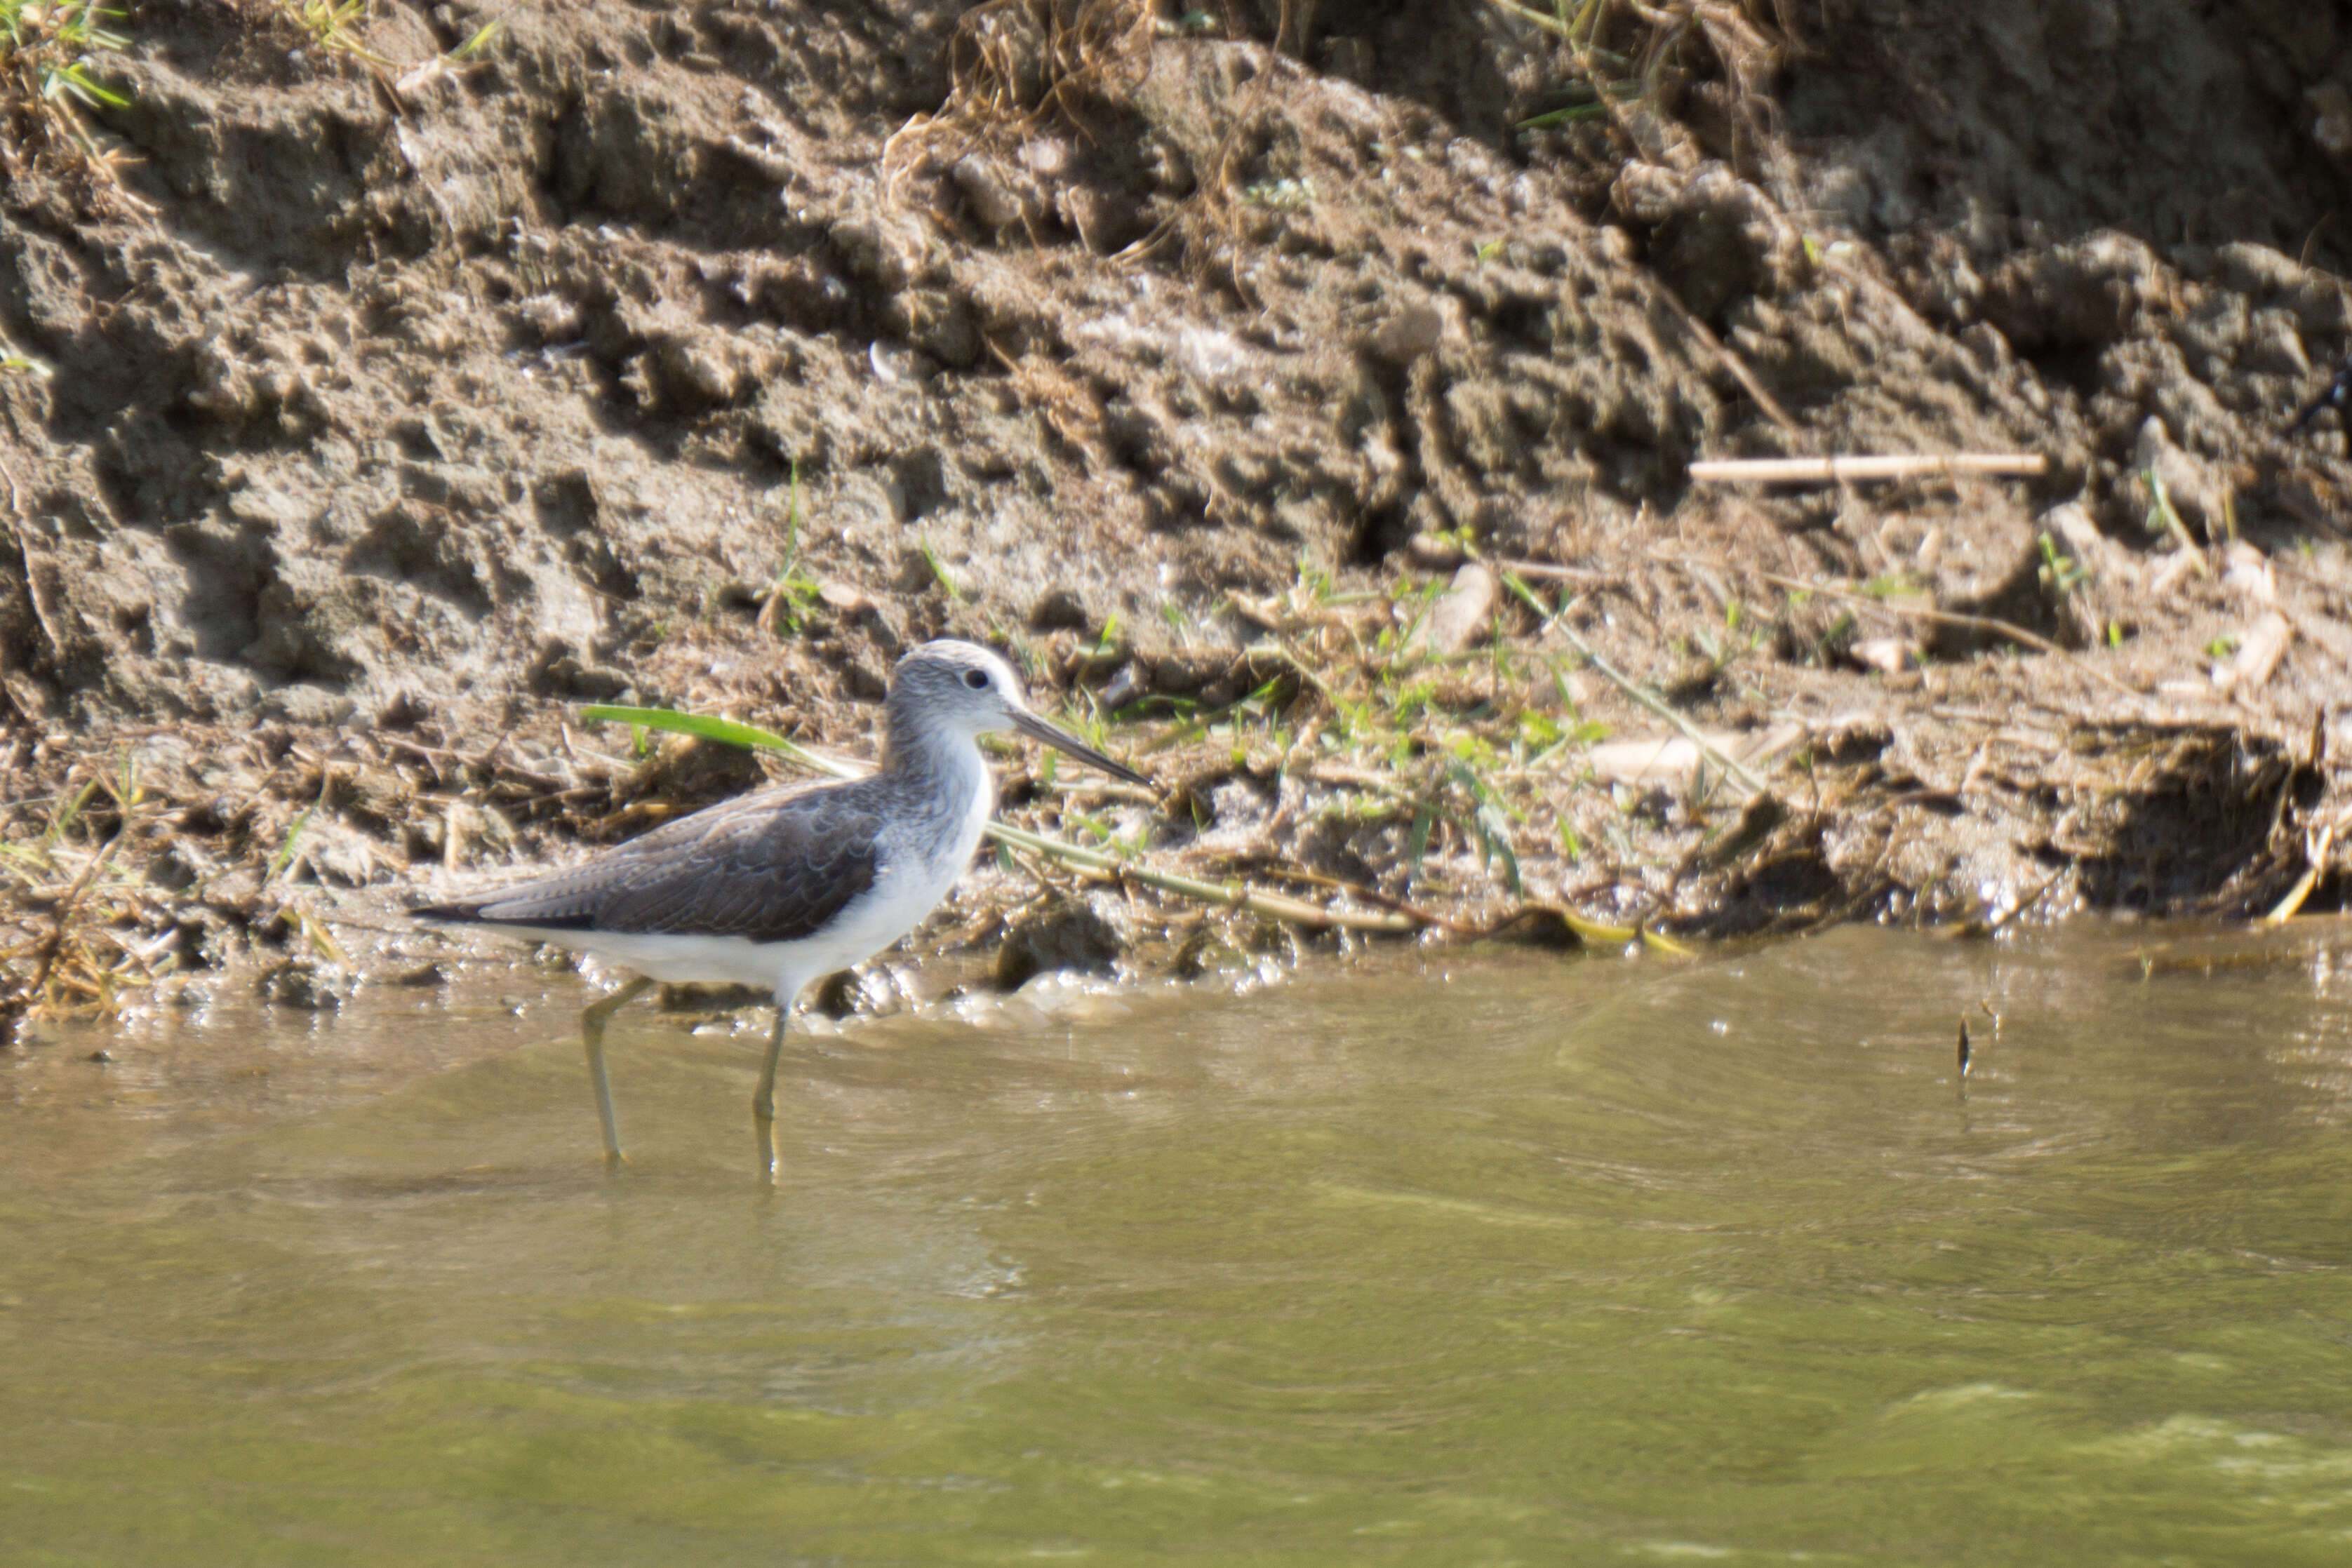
(1814, 470)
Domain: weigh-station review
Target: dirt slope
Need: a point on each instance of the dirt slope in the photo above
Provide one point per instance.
(372, 414)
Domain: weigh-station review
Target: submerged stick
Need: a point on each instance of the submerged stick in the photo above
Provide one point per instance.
(1908, 465)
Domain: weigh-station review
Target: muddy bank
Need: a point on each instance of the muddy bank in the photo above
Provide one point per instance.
(1306, 397)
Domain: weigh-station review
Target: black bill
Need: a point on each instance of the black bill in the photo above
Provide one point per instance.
(1061, 739)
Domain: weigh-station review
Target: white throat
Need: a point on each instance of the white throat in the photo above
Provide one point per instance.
(975, 782)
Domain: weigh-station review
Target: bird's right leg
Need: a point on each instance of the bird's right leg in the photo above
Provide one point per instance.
(591, 1034)
(763, 1098)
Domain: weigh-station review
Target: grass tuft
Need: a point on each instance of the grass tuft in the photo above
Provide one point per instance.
(332, 26)
(784, 605)
(72, 955)
(1623, 52)
(56, 46)
(51, 70)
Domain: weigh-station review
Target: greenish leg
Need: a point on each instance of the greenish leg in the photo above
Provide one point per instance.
(763, 1098)
(591, 1034)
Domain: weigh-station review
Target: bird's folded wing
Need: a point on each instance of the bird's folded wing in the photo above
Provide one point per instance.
(761, 868)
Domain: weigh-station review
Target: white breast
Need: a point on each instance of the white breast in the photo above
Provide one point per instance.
(919, 866)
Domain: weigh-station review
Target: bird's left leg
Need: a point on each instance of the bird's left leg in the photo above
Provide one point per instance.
(763, 1098)
(591, 1034)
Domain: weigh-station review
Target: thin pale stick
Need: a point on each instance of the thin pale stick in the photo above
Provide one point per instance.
(1911, 466)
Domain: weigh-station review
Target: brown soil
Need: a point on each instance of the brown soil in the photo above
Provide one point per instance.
(373, 418)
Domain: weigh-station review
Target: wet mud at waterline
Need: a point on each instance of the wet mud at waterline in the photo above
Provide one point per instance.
(1305, 399)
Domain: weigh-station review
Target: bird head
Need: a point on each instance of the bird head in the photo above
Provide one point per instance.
(967, 688)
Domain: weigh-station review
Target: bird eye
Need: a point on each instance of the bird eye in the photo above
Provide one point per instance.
(976, 679)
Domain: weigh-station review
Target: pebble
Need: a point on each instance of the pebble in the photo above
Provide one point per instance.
(1087, 935)
(306, 985)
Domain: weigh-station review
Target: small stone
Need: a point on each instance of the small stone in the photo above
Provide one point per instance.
(1434, 551)
(897, 364)
(2331, 122)
(716, 996)
(424, 975)
(101, 1057)
(1123, 689)
(1085, 935)
(1885, 654)
(867, 991)
(1049, 155)
(1409, 332)
(2259, 649)
(1462, 613)
(990, 196)
(842, 598)
(2247, 572)
(1206, 953)
(1060, 610)
(306, 985)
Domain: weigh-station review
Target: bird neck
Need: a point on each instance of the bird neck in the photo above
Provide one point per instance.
(942, 777)
(912, 747)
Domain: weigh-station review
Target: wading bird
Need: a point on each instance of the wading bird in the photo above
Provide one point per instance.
(783, 886)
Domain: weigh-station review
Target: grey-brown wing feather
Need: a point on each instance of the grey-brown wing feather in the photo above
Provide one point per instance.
(771, 867)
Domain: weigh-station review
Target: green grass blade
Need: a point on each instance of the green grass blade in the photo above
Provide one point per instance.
(479, 41)
(1567, 116)
(726, 731)
(938, 569)
(284, 858)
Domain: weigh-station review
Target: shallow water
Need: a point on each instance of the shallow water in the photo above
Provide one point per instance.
(1507, 1259)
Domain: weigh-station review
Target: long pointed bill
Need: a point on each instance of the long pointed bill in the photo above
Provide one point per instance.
(1061, 739)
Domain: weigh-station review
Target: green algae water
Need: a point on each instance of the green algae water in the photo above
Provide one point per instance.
(1476, 1260)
